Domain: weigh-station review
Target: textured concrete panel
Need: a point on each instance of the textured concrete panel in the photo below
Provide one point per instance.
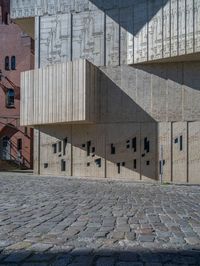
(149, 151)
(191, 91)
(112, 37)
(126, 36)
(123, 158)
(155, 27)
(194, 152)
(88, 36)
(181, 27)
(140, 32)
(55, 39)
(174, 27)
(165, 153)
(88, 150)
(55, 150)
(179, 160)
(166, 30)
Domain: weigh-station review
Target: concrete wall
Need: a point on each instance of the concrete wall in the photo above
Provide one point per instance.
(57, 94)
(179, 142)
(113, 32)
(114, 153)
(103, 150)
(80, 92)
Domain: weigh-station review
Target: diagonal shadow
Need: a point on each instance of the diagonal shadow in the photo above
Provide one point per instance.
(82, 256)
(142, 14)
(124, 135)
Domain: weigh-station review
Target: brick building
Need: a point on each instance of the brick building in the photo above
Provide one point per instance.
(15, 56)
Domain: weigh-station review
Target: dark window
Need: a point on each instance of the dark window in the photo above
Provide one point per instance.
(19, 144)
(123, 164)
(63, 165)
(10, 98)
(83, 145)
(13, 62)
(118, 168)
(5, 18)
(64, 145)
(54, 146)
(25, 131)
(59, 146)
(134, 144)
(98, 162)
(176, 140)
(5, 141)
(46, 165)
(181, 143)
(88, 147)
(7, 67)
(88, 164)
(147, 162)
(93, 149)
(127, 146)
(146, 145)
(135, 164)
(112, 149)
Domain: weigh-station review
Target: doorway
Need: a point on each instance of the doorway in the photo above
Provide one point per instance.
(5, 148)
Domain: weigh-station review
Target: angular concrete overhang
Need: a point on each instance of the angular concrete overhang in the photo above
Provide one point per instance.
(59, 93)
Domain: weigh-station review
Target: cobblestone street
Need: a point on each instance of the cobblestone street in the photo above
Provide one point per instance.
(65, 221)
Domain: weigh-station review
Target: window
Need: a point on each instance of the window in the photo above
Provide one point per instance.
(181, 143)
(13, 62)
(54, 146)
(19, 144)
(135, 164)
(63, 165)
(59, 146)
(10, 98)
(64, 146)
(26, 131)
(7, 67)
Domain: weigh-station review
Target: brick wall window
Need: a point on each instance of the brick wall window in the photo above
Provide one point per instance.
(19, 144)
(7, 63)
(10, 98)
(13, 62)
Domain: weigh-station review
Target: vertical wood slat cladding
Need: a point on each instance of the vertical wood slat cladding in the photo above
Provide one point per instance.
(155, 30)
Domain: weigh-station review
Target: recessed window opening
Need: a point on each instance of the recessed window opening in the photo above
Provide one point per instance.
(10, 98)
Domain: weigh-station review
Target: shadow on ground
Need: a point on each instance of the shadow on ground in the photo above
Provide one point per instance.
(102, 257)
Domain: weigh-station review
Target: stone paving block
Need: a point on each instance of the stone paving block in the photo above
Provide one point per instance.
(122, 263)
(146, 238)
(40, 247)
(18, 256)
(65, 205)
(105, 262)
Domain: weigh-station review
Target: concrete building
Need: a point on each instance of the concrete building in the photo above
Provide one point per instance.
(15, 56)
(116, 87)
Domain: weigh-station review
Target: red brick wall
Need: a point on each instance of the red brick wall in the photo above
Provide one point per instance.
(14, 42)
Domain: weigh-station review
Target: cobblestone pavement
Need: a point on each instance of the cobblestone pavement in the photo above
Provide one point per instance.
(65, 221)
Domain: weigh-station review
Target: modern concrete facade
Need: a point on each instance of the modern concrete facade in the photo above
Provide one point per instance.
(16, 142)
(116, 90)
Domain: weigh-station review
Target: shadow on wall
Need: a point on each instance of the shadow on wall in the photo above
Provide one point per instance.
(123, 142)
(183, 73)
(109, 257)
(141, 13)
